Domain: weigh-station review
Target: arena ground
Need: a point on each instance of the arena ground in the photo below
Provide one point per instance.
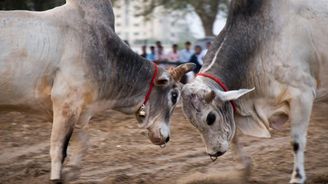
(119, 152)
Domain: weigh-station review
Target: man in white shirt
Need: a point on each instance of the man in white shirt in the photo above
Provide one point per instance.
(185, 56)
(186, 53)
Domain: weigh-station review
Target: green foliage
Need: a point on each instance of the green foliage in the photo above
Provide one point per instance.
(36, 5)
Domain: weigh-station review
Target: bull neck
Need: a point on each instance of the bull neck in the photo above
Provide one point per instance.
(130, 77)
(211, 83)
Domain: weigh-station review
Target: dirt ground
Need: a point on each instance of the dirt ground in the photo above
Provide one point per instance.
(119, 152)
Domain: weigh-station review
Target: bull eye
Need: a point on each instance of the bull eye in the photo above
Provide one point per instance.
(210, 118)
(174, 97)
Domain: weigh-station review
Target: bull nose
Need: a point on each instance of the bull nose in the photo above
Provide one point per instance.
(167, 139)
(157, 141)
(217, 154)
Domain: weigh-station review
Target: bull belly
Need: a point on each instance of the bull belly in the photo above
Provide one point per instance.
(25, 103)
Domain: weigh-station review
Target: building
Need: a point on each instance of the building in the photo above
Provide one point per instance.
(166, 27)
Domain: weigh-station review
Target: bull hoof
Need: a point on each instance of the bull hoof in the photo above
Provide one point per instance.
(72, 174)
(58, 181)
(297, 181)
(298, 177)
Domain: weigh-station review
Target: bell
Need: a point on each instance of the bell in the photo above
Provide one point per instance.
(142, 111)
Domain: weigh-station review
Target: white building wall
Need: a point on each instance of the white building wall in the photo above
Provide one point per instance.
(163, 26)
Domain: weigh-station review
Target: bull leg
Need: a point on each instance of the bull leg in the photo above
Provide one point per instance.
(238, 150)
(77, 149)
(301, 108)
(242, 158)
(62, 129)
(81, 140)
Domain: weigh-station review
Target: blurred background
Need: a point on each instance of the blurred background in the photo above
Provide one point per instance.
(143, 22)
(126, 156)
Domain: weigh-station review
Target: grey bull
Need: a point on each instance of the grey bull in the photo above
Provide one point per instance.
(277, 47)
(69, 64)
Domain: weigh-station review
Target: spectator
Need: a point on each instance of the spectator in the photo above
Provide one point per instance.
(152, 55)
(144, 51)
(158, 45)
(174, 56)
(160, 54)
(186, 53)
(197, 59)
(185, 56)
(204, 52)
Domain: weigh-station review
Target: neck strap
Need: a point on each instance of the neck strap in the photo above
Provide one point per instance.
(151, 85)
(221, 84)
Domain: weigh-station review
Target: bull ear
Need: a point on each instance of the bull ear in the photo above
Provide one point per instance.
(231, 95)
(178, 72)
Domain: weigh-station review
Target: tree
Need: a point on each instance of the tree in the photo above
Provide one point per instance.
(207, 10)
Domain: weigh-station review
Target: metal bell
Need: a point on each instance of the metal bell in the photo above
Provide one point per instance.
(142, 111)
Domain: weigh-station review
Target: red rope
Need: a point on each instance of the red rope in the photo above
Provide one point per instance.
(151, 85)
(221, 84)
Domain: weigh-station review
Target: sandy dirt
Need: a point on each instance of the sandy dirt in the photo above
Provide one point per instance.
(119, 152)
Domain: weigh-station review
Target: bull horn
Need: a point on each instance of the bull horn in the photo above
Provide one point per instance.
(232, 95)
(178, 72)
(209, 97)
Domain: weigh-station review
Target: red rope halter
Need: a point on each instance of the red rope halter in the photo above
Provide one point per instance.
(151, 85)
(220, 83)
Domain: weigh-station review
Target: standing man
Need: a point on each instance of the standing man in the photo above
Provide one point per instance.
(160, 56)
(144, 51)
(186, 53)
(152, 55)
(173, 56)
(185, 56)
(158, 44)
(158, 47)
(197, 58)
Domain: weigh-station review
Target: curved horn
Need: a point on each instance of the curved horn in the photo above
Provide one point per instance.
(209, 97)
(232, 95)
(178, 72)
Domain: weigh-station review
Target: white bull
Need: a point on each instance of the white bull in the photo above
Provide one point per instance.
(280, 48)
(69, 63)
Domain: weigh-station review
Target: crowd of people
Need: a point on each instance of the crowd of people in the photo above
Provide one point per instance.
(191, 54)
